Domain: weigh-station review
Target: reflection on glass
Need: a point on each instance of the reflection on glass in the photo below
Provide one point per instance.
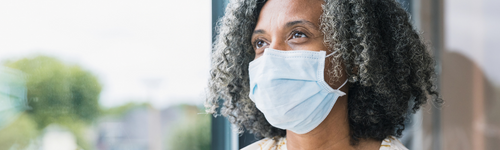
(471, 75)
(12, 95)
(100, 75)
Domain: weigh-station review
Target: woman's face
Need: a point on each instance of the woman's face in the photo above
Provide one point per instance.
(288, 25)
(292, 25)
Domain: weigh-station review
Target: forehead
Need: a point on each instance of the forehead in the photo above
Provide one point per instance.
(279, 12)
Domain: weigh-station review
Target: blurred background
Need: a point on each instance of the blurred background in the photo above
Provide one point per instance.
(131, 75)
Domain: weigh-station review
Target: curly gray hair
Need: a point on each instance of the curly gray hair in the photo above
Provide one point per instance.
(388, 65)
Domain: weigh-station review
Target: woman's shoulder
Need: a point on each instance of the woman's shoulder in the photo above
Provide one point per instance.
(267, 144)
(389, 143)
(392, 143)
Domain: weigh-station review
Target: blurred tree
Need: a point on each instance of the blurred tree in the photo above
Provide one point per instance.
(19, 133)
(59, 93)
(193, 131)
(119, 111)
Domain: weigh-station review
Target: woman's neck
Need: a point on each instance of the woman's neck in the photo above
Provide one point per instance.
(332, 133)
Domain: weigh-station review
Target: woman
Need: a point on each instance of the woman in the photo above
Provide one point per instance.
(314, 74)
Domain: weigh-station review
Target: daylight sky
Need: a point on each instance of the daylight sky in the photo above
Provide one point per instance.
(145, 51)
(158, 50)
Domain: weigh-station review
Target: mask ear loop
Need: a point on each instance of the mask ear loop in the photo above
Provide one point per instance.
(342, 85)
(330, 54)
(345, 80)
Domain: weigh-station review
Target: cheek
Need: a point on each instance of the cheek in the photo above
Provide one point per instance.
(257, 56)
(312, 45)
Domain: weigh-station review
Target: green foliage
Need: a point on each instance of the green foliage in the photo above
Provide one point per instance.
(18, 133)
(59, 93)
(193, 132)
(123, 109)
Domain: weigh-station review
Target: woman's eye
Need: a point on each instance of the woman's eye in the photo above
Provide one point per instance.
(298, 35)
(260, 43)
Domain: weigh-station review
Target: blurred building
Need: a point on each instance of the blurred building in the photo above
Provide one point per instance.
(470, 75)
(138, 129)
(169, 117)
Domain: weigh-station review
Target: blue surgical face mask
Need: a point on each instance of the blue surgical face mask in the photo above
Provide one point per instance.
(288, 87)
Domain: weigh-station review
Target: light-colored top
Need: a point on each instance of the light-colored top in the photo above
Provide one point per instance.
(389, 143)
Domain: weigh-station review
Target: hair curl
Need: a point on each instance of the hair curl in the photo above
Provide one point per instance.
(388, 65)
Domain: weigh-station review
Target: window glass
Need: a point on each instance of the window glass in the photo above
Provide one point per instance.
(104, 74)
(470, 80)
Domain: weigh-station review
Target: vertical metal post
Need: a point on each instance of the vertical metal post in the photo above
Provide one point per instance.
(246, 139)
(412, 135)
(223, 136)
(407, 5)
(437, 42)
(417, 139)
(221, 128)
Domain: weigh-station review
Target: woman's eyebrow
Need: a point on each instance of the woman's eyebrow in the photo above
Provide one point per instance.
(259, 31)
(292, 23)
